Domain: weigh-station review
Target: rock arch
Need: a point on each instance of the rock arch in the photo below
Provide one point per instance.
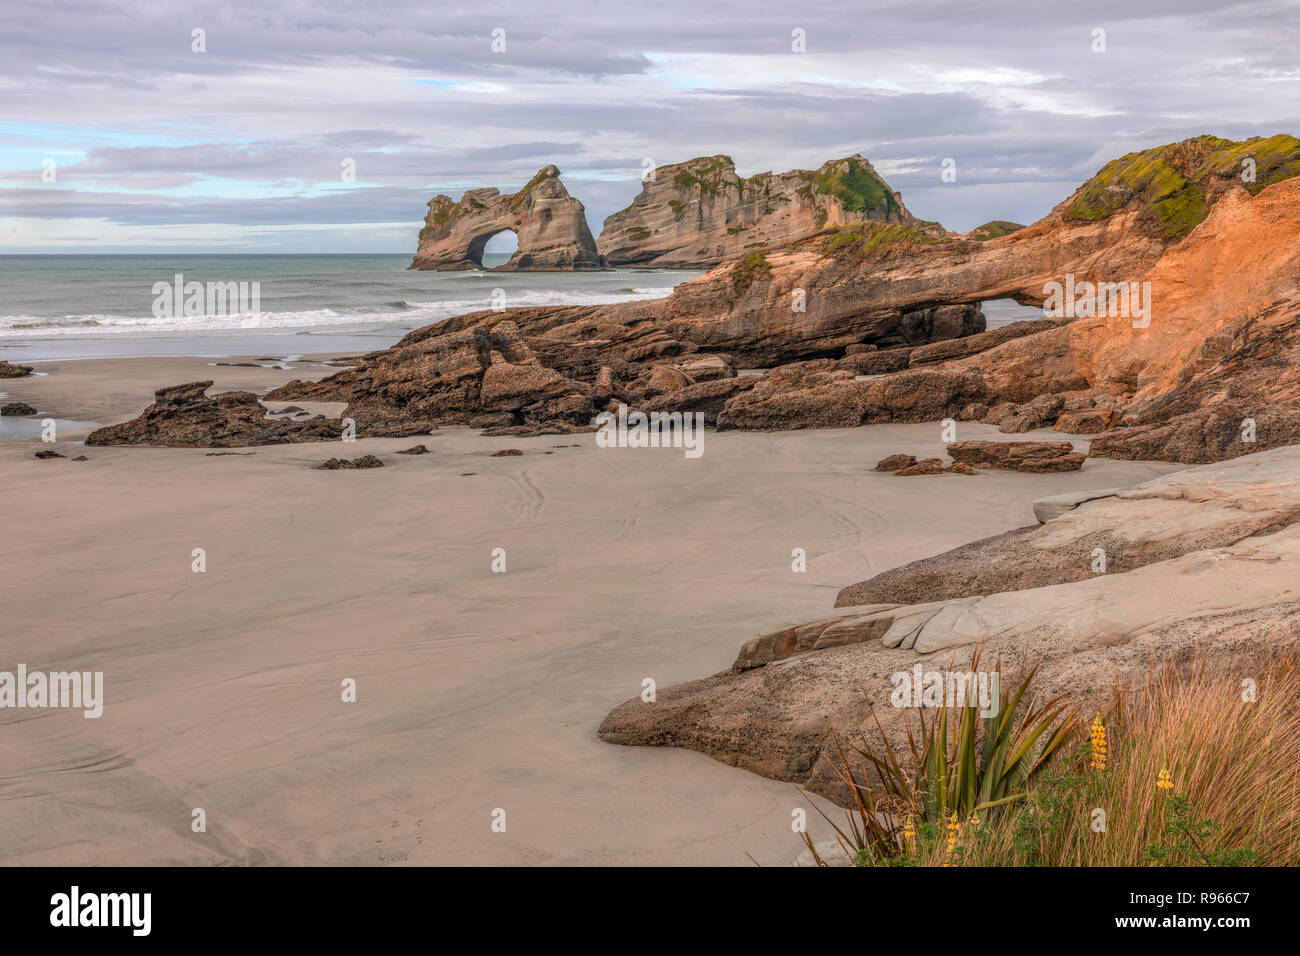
(485, 247)
(551, 226)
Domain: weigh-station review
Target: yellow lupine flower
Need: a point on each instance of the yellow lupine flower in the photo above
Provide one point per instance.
(954, 828)
(1163, 781)
(1098, 739)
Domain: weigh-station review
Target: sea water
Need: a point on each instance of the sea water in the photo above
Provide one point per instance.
(75, 306)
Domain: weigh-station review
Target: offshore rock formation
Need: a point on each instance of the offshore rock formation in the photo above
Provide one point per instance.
(1203, 563)
(699, 213)
(551, 226)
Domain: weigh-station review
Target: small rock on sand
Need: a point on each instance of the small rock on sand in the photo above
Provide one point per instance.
(926, 466)
(365, 461)
(895, 462)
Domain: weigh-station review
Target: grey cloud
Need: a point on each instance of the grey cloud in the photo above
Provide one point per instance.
(594, 87)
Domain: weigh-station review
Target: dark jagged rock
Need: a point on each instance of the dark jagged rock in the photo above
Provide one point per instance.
(481, 375)
(926, 466)
(533, 429)
(1087, 422)
(336, 464)
(1031, 456)
(893, 463)
(981, 342)
(184, 416)
(414, 450)
(707, 398)
(819, 394)
(14, 371)
(49, 453)
(877, 362)
(16, 408)
(507, 453)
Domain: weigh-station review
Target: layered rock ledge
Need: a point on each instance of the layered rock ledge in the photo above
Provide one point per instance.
(1201, 563)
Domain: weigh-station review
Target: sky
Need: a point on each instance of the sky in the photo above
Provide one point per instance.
(118, 135)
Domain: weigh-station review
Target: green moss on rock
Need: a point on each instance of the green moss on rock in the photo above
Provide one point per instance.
(751, 268)
(518, 198)
(706, 175)
(995, 229)
(857, 188)
(864, 238)
(1171, 184)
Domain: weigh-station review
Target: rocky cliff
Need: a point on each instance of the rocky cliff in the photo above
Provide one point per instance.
(551, 226)
(878, 322)
(699, 213)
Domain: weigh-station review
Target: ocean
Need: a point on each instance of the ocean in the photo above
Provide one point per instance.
(81, 307)
(78, 307)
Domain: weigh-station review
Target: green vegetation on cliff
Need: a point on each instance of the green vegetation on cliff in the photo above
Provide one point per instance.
(750, 269)
(864, 238)
(995, 229)
(518, 198)
(1173, 183)
(857, 188)
(706, 174)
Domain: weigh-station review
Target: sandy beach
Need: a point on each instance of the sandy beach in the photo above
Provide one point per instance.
(475, 690)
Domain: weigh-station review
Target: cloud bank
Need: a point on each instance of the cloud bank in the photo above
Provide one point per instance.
(118, 135)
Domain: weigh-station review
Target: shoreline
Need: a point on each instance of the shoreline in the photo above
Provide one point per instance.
(476, 690)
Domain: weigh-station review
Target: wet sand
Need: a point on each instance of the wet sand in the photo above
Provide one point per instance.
(475, 690)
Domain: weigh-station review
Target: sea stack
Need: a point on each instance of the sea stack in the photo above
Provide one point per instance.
(699, 213)
(551, 226)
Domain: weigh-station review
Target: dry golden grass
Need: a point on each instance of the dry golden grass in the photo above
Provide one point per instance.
(1232, 795)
